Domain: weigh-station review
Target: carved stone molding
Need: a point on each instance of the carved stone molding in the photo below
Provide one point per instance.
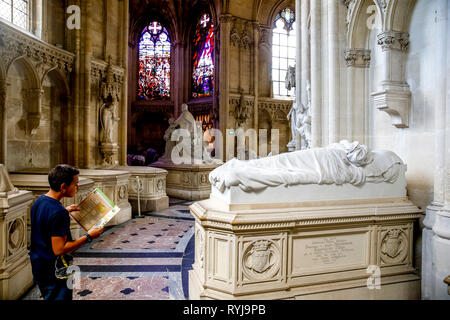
(43, 55)
(393, 40)
(241, 33)
(350, 6)
(395, 100)
(359, 58)
(277, 109)
(242, 107)
(226, 18)
(110, 78)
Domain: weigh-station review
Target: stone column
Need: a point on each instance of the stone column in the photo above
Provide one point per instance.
(36, 27)
(88, 114)
(256, 35)
(333, 74)
(305, 50)
(225, 27)
(124, 103)
(298, 62)
(357, 62)
(3, 124)
(316, 74)
(178, 63)
(436, 231)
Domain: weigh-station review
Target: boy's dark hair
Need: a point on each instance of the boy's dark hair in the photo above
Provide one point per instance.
(62, 173)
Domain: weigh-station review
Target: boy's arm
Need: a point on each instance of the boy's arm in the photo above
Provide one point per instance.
(60, 246)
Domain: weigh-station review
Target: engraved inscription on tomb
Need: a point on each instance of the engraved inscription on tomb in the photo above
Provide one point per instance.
(329, 252)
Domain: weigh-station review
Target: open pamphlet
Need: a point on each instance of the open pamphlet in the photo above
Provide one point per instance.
(96, 210)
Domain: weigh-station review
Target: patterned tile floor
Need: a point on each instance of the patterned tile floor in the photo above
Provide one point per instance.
(147, 258)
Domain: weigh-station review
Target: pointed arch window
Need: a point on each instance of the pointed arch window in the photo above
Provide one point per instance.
(16, 12)
(283, 51)
(154, 63)
(203, 59)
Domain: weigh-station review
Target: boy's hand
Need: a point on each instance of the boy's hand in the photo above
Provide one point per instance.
(95, 233)
(72, 208)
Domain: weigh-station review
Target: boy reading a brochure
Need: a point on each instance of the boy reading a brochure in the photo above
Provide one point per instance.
(50, 233)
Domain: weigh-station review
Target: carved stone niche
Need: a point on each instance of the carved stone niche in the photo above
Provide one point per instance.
(33, 110)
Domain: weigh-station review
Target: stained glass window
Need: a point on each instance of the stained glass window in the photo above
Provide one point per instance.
(283, 51)
(203, 60)
(154, 63)
(16, 12)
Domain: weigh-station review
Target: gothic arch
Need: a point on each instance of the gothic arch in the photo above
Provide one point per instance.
(60, 79)
(398, 14)
(357, 17)
(30, 71)
(163, 14)
(279, 5)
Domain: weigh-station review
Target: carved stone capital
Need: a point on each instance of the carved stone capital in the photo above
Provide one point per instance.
(359, 58)
(226, 18)
(393, 40)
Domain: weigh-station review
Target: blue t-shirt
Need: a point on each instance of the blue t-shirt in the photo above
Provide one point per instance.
(49, 219)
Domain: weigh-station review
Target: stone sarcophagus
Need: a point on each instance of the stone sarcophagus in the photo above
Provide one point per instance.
(38, 185)
(352, 239)
(114, 185)
(150, 183)
(15, 267)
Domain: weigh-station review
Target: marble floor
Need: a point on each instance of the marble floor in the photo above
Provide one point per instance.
(147, 258)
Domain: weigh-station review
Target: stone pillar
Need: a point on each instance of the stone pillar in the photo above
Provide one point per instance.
(333, 74)
(87, 56)
(256, 36)
(225, 27)
(178, 64)
(36, 27)
(316, 74)
(436, 231)
(3, 124)
(124, 103)
(305, 51)
(357, 62)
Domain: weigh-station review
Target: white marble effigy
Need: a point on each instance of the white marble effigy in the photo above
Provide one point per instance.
(349, 235)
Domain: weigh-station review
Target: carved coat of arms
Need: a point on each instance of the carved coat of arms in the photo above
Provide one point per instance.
(261, 257)
(392, 244)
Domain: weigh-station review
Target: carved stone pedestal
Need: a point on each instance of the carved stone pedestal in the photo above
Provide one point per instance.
(15, 267)
(38, 185)
(189, 182)
(114, 185)
(152, 191)
(352, 249)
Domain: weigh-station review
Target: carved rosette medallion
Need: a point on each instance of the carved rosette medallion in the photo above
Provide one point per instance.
(261, 260)
(394, 246)
(16, 232)
(122, 192)
(160, 185)
(204, 179)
